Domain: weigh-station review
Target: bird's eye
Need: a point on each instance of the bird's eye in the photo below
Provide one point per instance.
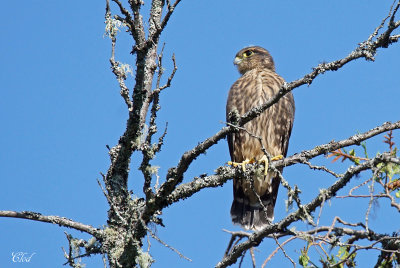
(248, 53)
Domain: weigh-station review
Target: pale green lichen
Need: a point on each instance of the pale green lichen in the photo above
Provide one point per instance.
(124, 69)
(144, 259)
(112, 26)
(76, 251)
(153, 170)
(289, 203)
(112, 237)
(319, 149)
(323, 193)
(92, 243)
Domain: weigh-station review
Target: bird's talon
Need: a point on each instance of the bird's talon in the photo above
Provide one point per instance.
(278, 157)
(243, 164)
(264, 160)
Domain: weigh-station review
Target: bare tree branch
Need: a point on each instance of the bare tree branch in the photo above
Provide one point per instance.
(276, 250)
(168, 246)
(61, 221)
(256, 238)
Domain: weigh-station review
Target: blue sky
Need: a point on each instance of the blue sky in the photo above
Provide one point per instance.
(60, 106)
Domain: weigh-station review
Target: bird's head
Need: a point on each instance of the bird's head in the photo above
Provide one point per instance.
(253, 57)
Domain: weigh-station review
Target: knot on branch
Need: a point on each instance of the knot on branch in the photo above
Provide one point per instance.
(234, 117)
(366, 50)
(31, 214)
(222, 170)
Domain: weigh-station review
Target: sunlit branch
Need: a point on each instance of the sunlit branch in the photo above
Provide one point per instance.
(61, 221)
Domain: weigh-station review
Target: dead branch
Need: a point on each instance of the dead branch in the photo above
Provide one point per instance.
(61, 221)
(256, 238)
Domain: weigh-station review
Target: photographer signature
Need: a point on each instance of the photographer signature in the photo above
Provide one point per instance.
(22, 256)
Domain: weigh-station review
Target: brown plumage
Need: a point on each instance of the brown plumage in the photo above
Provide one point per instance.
(258, 83)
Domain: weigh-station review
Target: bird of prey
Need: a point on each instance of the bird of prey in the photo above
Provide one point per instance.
(254, 200)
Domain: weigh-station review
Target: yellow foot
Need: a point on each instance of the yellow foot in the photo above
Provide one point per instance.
(264, 160)
(278, 157)
(243, 164)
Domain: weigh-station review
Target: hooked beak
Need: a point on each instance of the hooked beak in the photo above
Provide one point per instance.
(237, 61)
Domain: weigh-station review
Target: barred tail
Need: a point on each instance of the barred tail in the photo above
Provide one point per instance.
(252, 216)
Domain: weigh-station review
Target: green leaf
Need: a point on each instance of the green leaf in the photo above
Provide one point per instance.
(343, 254)
(304, 259)
(364, 145)
(332, 259)
(396, 169)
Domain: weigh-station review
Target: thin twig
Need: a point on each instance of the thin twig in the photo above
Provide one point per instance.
(168, 246)
(284, 252)
(276, 250)
(321, 168)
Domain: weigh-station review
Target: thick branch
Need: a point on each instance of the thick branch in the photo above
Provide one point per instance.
(138, 28)
(117, 174)
(332, 146)
(154, 35)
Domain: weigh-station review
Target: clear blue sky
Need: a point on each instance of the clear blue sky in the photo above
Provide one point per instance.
(60, 106)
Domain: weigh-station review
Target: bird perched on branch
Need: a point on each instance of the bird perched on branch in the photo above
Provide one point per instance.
(254, 200)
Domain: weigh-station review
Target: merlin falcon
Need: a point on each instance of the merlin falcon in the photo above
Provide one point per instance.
(254, 200)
